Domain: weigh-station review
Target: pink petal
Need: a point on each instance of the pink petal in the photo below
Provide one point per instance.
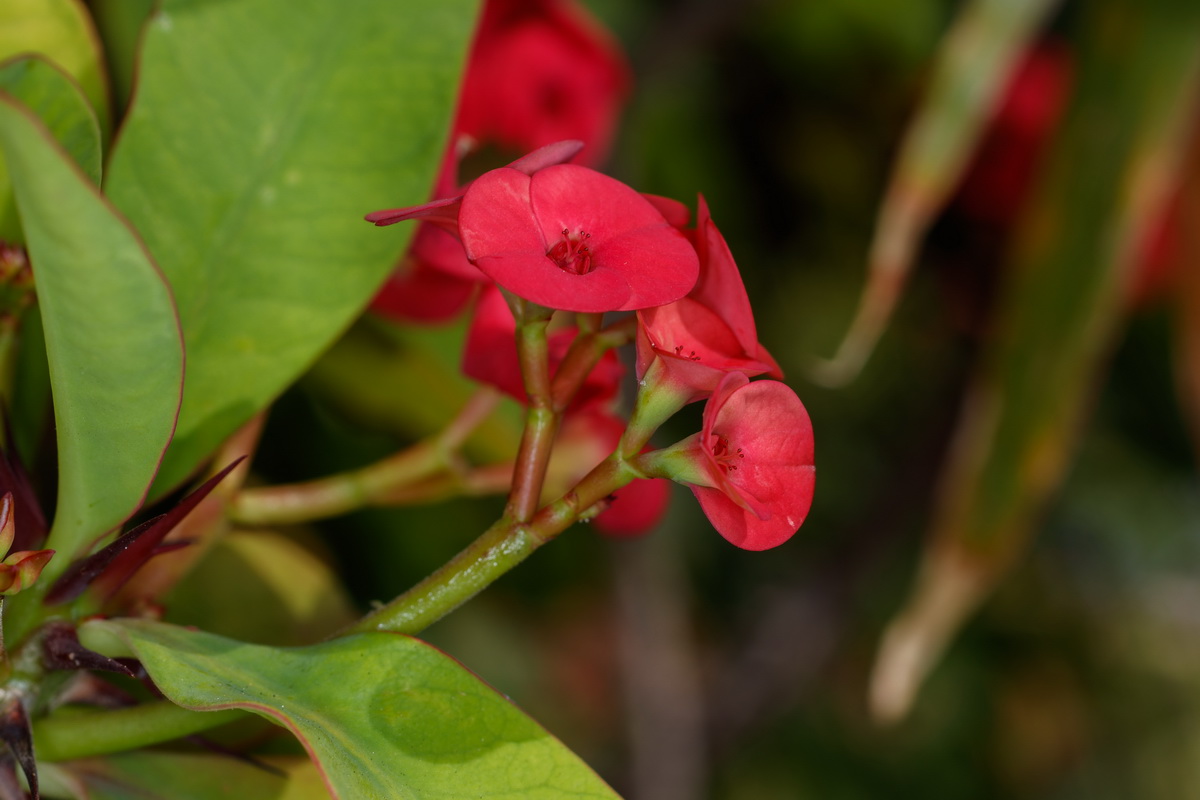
(740, 527)
(673, 211)
(510, 221)
(720, 285)
(658, 262)
(551, 154)
(768, 493)
(538, 279)
(577, 198)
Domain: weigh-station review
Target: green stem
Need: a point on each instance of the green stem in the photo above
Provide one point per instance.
(499, 549)
(657, 401)
(493, 479)
(375, 483)
(66, 735)
(588, 323)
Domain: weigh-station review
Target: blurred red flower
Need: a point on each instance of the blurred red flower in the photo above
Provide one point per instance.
(541, 71)
(635, 508)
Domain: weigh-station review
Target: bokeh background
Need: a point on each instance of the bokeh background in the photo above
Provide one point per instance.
(681, 667)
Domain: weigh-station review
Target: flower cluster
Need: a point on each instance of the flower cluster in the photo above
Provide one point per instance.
(554, 236)
(539, 72)
(545, 234)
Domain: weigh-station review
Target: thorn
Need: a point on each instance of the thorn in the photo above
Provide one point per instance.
(16, 733)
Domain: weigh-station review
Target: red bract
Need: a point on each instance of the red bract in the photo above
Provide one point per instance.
(756, 453)
(541, 71)
(709, 333)
(570, 238)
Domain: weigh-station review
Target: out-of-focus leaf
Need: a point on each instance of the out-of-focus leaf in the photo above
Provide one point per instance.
(55, 100)
(1110, 176)
(369, 374)
(120, 23)
(295, 595)
(973, 66)
(151, 775)
(383, 715)
(112, 338)
(61, 31)
(257, 139)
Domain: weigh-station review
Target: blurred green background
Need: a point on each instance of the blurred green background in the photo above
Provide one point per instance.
(680, 667)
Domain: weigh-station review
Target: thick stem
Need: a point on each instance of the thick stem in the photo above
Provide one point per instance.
(493, 479)
(499, 549)
(336, 494)
(589, 323)
(541, 421)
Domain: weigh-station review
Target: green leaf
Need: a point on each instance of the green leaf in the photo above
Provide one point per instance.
(257, 140)
(155, 775)
(120, 23)
(112, 338)
(1065, 298)
(294, 592)
(383, 715)
(60, 31)
(55, 99)
(977, 58)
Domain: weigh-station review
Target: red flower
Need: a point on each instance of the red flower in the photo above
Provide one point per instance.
(570, 238)
(751, 466)
(709, 333)
(1002, 172)
(434, 281)
(541, 71)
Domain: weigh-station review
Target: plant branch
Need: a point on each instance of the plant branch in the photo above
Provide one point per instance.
(372, 484)
(541, 421)
(582, 357)
(499, 549)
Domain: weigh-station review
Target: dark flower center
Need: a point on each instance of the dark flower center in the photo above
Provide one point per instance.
(571, 253)
(725, 457)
